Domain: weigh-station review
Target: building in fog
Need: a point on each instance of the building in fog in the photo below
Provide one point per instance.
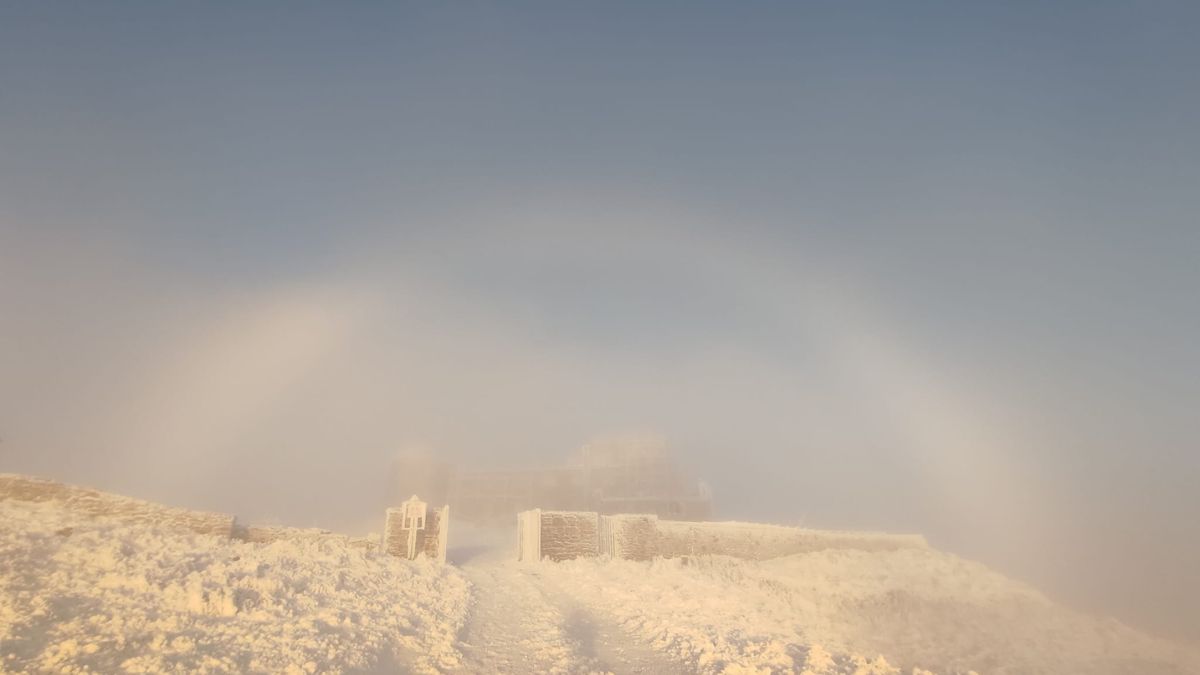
(608, 477)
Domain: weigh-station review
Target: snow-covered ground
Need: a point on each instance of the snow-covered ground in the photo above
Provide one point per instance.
(81, 593)
(93, 594)
(845, 611)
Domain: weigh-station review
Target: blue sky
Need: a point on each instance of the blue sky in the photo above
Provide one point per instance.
(919, 266)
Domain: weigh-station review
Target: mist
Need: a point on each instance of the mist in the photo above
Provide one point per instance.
(236, 276)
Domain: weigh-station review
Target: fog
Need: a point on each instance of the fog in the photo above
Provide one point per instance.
(241, 275)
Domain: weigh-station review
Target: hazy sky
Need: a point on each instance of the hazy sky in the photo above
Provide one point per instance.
(923, 267)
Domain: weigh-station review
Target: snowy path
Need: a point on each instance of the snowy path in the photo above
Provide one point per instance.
(511, 628)
(520, 622)
(612, 649)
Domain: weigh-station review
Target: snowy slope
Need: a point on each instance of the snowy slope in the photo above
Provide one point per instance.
(844, 611)
(80, 593)
(86, 592)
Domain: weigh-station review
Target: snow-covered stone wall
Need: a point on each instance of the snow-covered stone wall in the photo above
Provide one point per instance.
(94, 503)
(557, 535)
(563, 535)
(758, 541)
(436, 531)
(569, 534)
(266, 534)
(629, 536)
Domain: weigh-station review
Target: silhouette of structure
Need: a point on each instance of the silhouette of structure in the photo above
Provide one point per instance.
(608, 477)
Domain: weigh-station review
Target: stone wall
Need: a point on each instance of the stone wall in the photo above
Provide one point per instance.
(433, 544)
(102, 504)
(569, 534)
(266, 534)
(629, 536)
(563, 535)
(757, 541)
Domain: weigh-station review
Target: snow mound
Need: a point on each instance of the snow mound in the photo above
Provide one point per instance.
(79, 593)
(838, 612)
